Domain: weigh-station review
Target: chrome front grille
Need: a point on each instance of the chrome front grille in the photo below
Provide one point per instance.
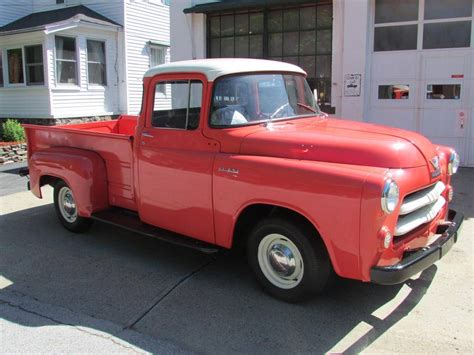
(419, 208)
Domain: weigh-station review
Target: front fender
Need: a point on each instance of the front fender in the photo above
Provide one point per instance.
(84, 171)
(328, 195)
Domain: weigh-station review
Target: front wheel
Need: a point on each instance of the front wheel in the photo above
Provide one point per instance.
(66, 209)
(289, 261)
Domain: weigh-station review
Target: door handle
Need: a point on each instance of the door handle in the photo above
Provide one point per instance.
(148, 135)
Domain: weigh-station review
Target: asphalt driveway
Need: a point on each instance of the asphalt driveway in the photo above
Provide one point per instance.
(112, 290)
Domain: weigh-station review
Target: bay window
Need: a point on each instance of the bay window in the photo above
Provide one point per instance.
(34, 65)
(15, 66)
(66, 60)
(96, 66)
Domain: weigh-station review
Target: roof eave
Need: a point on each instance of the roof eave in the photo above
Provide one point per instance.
(73, 22)
(23, 30)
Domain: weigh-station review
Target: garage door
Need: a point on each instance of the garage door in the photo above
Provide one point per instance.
(422, 70)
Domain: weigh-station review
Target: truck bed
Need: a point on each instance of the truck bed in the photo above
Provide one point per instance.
(112, 140)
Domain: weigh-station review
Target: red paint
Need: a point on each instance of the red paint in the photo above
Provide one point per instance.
(457, 76)
(198, 182)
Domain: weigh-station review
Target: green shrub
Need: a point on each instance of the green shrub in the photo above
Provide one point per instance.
(12, 131)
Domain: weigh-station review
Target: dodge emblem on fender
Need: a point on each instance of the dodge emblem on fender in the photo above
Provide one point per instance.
(435, 163)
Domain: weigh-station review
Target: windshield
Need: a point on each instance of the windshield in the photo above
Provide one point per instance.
(248, 99)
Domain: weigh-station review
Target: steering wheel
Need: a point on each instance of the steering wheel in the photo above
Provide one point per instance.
(279, 110)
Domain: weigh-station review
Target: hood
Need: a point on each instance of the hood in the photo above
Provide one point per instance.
(340, 141)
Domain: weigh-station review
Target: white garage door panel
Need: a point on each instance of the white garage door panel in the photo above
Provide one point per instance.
(400, 118)
(394, 65)
(442, 123)
(443, 67)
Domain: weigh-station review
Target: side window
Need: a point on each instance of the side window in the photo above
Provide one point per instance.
(181, 108)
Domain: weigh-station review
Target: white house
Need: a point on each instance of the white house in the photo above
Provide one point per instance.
(403, 63)
(75, 58)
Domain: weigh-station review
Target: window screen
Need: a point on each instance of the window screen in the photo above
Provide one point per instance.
(96, 66)
(182, 107)
(66, 60)
(15, 66)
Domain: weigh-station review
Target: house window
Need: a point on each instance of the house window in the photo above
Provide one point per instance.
(66, 60)
(157, 57)
(15, 66)
(59, 2)
(34, 65)
(96, 68)
(1, 69)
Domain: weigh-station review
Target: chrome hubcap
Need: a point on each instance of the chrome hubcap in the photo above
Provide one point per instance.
(67, 205)
(280, 261)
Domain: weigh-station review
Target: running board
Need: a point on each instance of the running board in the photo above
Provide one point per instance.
(130, 221)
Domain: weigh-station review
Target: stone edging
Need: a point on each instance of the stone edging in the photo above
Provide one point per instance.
(13, 153)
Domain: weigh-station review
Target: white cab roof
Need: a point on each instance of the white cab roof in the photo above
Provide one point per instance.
(214, 68)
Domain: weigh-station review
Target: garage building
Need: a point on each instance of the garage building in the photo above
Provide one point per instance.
(403, 63)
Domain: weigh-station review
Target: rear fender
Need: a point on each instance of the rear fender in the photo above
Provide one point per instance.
(84, 171)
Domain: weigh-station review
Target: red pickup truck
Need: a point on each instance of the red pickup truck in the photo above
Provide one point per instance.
(231, 152)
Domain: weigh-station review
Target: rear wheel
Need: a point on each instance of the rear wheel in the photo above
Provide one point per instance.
(289, 260)
(66, 209)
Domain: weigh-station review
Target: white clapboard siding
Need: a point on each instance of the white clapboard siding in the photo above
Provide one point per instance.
(11, 10)
(26, 102)
(85, 99)
(144, 21)
(112, 9)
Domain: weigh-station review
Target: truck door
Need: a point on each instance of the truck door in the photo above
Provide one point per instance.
(175, 160)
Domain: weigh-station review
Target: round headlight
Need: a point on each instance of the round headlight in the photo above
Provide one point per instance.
(390, 195)
(453, 164)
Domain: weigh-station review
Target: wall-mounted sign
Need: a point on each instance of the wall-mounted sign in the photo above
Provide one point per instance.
(352, 84)
(457, 76)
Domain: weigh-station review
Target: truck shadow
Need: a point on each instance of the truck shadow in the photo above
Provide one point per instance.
(123, 284)
(464, 192)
